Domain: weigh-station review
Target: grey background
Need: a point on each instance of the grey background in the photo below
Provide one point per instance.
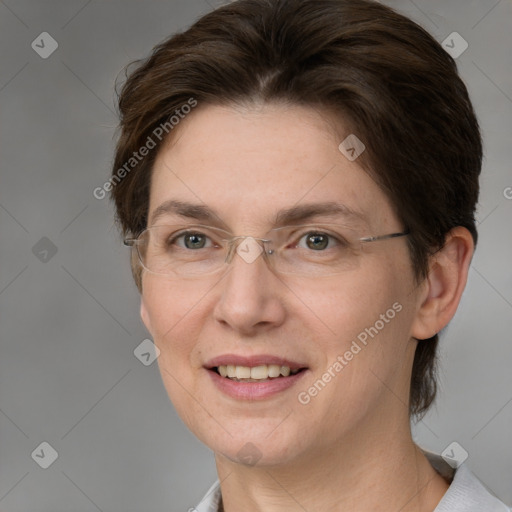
(69, 326)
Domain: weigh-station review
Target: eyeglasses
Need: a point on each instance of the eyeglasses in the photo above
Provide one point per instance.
(189, 251)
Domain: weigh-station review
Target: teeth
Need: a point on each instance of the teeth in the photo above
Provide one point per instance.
(243, 372)
(274, 370)
(285, 371)
(261, 372)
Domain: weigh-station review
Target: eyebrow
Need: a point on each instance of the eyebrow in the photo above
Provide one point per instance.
(183, 209)
(293, 215)
(309, 211)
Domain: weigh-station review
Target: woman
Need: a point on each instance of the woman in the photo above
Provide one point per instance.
(298, 182)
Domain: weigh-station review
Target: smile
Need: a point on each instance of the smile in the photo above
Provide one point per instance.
(255, 377)
(254, 374)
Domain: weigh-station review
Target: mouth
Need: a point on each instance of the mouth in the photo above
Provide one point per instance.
(255, 377)
(260, 373)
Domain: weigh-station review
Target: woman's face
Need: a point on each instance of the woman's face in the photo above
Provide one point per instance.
(349, 334)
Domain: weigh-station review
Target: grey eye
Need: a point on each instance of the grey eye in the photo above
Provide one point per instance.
(190, 240)
(194, 241)
(315, 241)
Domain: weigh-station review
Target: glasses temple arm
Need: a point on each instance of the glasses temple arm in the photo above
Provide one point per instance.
(384, 237)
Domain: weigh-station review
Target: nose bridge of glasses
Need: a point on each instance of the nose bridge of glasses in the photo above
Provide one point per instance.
(247, 247)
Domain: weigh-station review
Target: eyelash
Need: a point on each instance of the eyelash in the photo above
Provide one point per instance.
(173, 239)
(340, 241)
(337, 238)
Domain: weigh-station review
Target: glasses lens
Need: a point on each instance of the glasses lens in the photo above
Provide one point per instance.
(315, 250)
(182, 250)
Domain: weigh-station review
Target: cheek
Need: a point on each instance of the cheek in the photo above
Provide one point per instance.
(369, 320)
(350, 303)
(176, 315)
(174, 311)
(365, 352)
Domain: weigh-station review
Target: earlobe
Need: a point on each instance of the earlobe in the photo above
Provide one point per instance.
(444, 284)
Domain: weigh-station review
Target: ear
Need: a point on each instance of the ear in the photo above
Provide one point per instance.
(144, 314)
(442, 290)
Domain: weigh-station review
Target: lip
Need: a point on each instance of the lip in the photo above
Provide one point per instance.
(251, 361)
(254, 390)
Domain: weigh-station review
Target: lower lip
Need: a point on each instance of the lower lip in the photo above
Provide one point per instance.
(254, 390)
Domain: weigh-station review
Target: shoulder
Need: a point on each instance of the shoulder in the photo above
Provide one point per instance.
(466, 492)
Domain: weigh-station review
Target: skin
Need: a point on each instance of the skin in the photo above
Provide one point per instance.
(350, 447)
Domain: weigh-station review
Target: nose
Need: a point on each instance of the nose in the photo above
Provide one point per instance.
(251, 298)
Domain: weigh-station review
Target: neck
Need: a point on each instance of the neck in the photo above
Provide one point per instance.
(365, 471)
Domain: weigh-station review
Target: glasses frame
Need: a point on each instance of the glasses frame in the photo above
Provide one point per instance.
(233, 239)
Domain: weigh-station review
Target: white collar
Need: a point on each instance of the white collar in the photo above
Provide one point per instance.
(465, 494)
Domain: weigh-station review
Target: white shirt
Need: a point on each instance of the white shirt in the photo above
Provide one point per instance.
(465, 494)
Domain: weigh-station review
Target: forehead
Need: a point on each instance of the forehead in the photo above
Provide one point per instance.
(249, 164)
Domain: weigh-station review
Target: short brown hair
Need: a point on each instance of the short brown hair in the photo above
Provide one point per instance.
(391, 83)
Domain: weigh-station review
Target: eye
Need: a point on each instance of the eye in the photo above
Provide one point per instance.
(190, 240)
(317, 241)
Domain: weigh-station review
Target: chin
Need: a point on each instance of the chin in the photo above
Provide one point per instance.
(257, 454)
(251, 445)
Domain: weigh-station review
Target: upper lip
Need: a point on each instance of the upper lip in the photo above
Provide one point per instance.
(252, 361)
